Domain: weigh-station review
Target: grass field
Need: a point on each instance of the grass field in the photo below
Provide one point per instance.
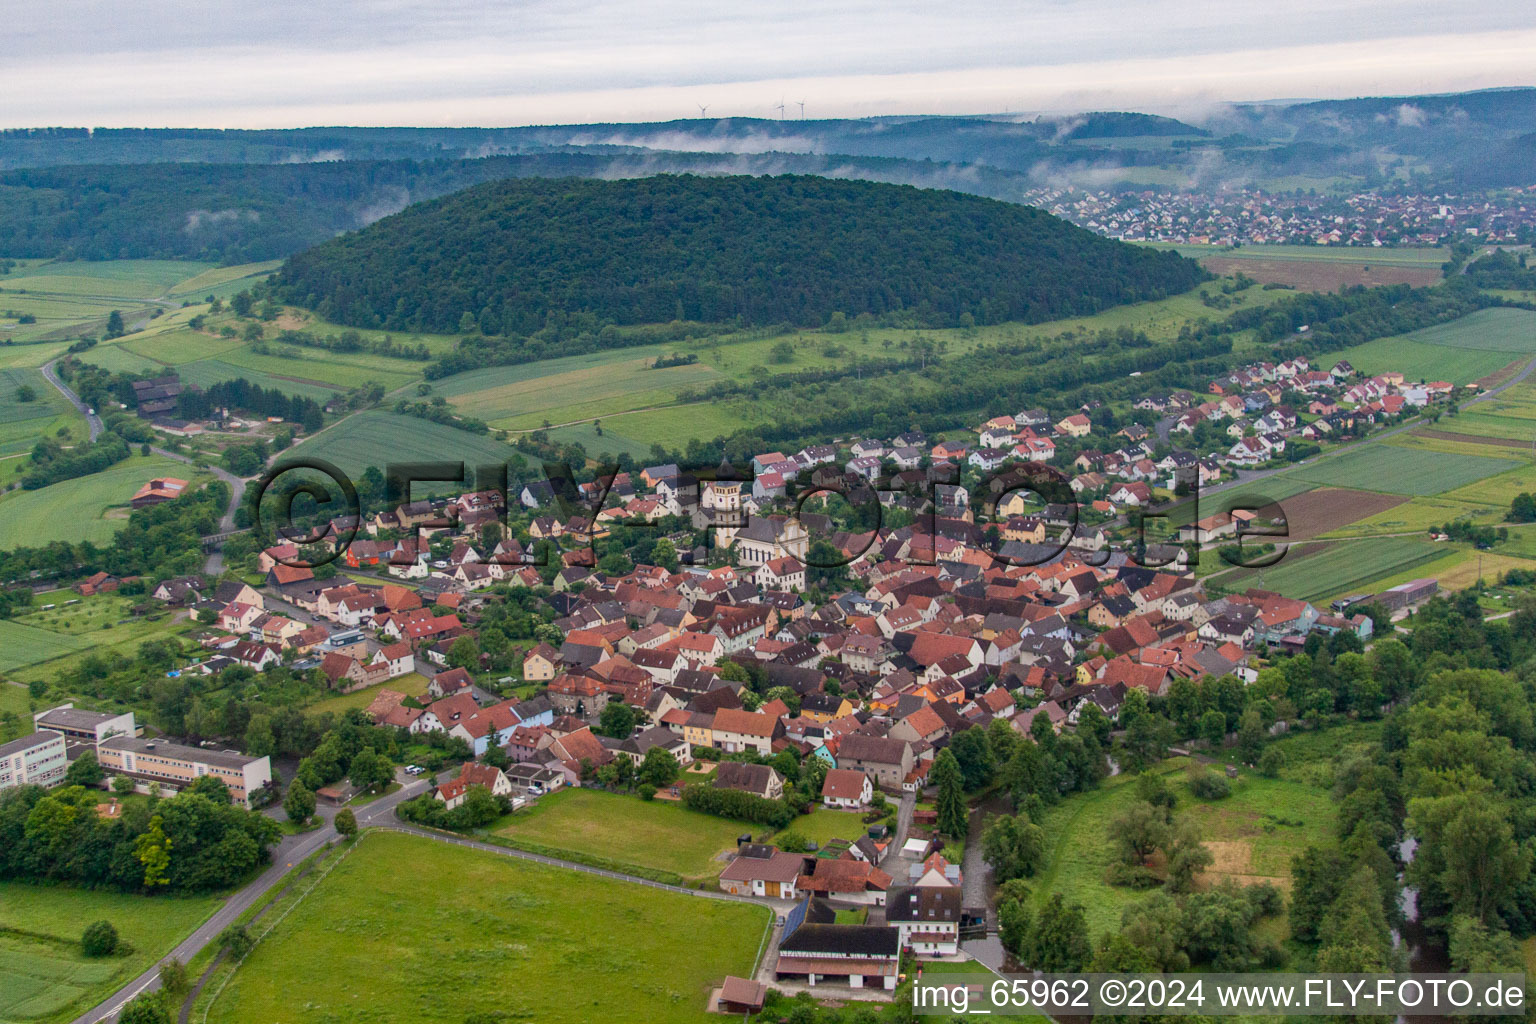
(205, 372)
(1321, 268)
(22, 423)
(1247, 842)
(80, 509)
(1319, 571)
(40, 644)
(26, 645)
(591, 392)
(824, 824)
(375, 438)
(71, 298)
(1462, 351)
(1394, 469)
(656, 835)
(497, 936)
(44, 977)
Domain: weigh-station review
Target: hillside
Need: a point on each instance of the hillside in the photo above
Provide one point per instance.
(764, 250)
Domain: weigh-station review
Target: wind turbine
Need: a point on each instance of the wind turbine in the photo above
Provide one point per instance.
(802, 109)
(703, 107)
(780, 109)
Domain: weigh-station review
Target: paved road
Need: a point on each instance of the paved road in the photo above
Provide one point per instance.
(289, 852)
(91, 419)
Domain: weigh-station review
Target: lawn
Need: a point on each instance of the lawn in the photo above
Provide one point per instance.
(1394, 469)
(81, 509)
(1249, 844)
(44, 977)
(497, 936)
(375, 438)
(656, 835)
(412, 684)
(824, 824)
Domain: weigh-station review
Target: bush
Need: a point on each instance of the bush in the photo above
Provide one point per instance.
(237, 939)
(99, 939)
(647, 791)
(1132, 876)
(1209, 786)
(1272, 762)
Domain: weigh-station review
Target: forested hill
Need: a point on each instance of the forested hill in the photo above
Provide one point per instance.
(762, 249)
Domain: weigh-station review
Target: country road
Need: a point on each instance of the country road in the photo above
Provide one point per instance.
(92, 420)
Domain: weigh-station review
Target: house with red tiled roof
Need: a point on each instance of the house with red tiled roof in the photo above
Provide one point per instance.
(845, 789)
(856, 881)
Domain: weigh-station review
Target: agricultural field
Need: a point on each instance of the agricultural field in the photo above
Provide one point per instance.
(1321, 570)
(222, 281)
(1321, 268)
(1462, 351)
(486, 917)
(45, 979)
(376, 438)
(1313, 513)
(656, 835)
(513, 400)
(1245, 833)
(1417, 515)
(22, 423)
(72, 298)
(26, 645)
(1399, 469)
(206, 372)
(90, 507)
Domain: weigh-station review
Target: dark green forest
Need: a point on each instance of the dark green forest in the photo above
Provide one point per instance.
(499, 257)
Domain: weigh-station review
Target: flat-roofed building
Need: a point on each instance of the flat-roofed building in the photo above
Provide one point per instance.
(35, 760)
(180, 766)
(85, 726)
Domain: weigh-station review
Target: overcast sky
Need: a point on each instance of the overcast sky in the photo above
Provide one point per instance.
(243, 63)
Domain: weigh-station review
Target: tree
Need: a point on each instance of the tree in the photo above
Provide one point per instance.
(115, 326)
(122, 785)
(299, 804)
(953, 817)
(1186, 856)
(99, 939)
(237, 940)
(259, 741)
(153, 850)
(148, 1008)
(972, 750)
(659, 768)
(1014, 846)
(173, 978)
(1138, 832)
(1317, 874)
(1213, 727)
(464, 653)
(211, 787)
(370, 771)
(346, 823)
(26, 393)
(617, 720)
(1250, 736)
(1058, 940)
(84, 771)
